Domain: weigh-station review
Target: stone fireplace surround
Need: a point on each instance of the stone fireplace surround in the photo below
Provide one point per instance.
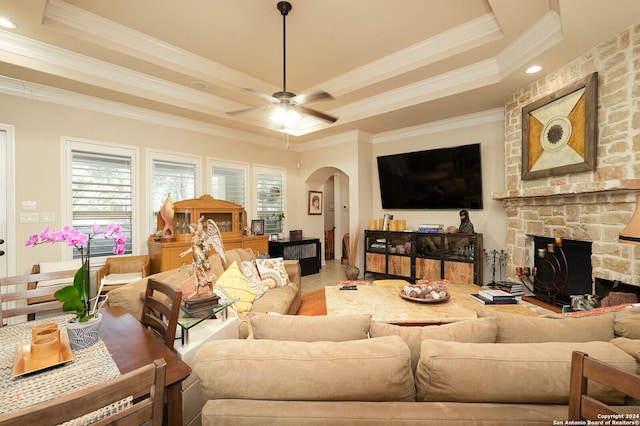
(589, 206)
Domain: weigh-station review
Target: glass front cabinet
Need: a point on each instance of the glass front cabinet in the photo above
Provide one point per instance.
(231, 219)
(417, 255)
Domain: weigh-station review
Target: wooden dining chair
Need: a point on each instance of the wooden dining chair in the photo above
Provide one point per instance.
(584, 369)
(19, 296)
(161, 309)
(146, 385)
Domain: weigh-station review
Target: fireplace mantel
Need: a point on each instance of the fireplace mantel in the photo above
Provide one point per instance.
(571, 189)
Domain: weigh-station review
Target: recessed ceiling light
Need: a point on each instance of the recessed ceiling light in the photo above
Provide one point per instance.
(200, 85)
(533, 69)
(4, 22)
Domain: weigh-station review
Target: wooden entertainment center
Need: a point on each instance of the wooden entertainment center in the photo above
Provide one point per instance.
(422, 255)
(231, 219)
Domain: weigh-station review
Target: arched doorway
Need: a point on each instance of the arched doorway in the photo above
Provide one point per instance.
(334, 224)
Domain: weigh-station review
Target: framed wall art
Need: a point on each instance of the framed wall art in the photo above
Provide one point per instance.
(257, 226)
(559, 131)
(315, 202)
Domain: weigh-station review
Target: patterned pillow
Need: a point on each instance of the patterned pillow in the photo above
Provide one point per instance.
(234, 286)
(272, 272)
(250, 272)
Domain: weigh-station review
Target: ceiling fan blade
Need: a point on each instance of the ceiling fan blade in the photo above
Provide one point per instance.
(262, 95)
(317, 114)
(307, 98)
(245, 111)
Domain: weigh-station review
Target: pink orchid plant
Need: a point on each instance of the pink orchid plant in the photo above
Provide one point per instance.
(75, 298)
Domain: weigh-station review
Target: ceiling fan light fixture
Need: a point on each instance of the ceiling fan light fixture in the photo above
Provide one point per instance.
(285, 117)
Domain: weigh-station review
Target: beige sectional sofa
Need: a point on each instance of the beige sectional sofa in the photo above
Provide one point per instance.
(498, 369)
(281, 300)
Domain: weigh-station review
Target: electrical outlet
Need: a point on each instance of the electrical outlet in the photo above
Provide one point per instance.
(29, 217)
(48, 217)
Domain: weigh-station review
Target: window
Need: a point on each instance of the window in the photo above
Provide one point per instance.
(229, 181)
(177, 175)
(270, 192)
(100, 191)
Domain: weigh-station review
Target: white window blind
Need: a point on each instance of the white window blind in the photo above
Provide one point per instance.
(229, 183)
(270, 200)
(171, 177)
(101, 187)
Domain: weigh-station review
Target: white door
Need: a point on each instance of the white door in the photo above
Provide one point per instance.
(7, 208)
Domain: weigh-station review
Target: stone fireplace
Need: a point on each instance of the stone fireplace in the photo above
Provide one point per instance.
(592, 206)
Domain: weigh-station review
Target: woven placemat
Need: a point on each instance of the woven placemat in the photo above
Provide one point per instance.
(90, 366)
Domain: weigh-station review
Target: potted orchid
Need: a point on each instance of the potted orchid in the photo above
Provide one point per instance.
(76, 298)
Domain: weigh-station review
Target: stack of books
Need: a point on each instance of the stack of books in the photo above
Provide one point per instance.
(431, 229)
(512, 288)
(494, 297)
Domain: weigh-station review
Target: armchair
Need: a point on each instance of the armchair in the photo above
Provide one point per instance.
(121, 270)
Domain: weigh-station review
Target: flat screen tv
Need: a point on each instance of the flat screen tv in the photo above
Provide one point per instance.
(443, 178)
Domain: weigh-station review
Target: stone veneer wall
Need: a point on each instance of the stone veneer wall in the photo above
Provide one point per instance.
(590, 206)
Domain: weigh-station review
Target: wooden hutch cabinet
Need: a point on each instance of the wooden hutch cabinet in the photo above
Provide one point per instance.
(231, 219)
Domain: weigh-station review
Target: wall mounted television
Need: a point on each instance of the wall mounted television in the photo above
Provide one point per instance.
(443, 178)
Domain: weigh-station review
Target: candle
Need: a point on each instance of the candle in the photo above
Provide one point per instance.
(518, 270)
(551, 248)
(542, 252)
(559, 241)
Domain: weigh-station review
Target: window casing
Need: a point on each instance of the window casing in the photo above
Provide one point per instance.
(173, 174)
(100, 190)
(270, 195)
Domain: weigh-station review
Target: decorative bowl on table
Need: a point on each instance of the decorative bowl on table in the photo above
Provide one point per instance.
(425, 292)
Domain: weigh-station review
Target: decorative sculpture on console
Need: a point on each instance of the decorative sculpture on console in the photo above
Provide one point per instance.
(167, 212)
(201, 244)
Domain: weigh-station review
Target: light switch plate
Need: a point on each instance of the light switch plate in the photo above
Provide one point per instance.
(48, 217)
(29, 205)
(29, 217)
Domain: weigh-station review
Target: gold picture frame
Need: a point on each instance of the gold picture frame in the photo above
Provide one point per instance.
(559, 131)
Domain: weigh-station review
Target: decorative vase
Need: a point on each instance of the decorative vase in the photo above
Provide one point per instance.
(84, 334)
(352, 272)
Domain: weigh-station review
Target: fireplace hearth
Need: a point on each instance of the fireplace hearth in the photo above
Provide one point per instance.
(562, 268)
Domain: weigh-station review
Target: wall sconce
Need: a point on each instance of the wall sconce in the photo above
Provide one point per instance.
(631, 233)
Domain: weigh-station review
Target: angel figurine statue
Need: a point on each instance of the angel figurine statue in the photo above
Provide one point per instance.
(201, 244)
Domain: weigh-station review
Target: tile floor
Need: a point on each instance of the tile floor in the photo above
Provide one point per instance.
(329, 274)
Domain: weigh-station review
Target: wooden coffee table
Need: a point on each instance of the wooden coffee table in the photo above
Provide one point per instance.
(385, 305)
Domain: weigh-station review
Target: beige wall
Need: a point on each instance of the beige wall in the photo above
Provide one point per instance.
(486, 129)
(39, 127)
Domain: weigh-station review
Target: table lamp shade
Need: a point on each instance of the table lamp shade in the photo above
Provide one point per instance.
(631, 233)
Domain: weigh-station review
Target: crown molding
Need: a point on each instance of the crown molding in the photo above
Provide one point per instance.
(122, 39)
(490, 116)
(42, 93)
(479, 31)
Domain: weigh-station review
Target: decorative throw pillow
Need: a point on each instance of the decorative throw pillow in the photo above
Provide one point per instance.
(272, 272)
(234, 286)
(250, 272)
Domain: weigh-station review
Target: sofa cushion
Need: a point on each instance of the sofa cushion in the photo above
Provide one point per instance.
(336, 328)
(272, 272)
(630, 346)
(237, 255)
(533, 373)
(357, 370)
(234, 286)
(627, 326)
(480, 330)
(513, 328)
(131, 296)
(250, 272)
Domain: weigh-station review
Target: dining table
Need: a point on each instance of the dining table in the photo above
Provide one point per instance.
(124, 345)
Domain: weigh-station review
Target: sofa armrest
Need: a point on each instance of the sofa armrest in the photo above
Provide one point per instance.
(294, 271)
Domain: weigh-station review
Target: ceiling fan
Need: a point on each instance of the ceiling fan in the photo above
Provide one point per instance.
(287, 106)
